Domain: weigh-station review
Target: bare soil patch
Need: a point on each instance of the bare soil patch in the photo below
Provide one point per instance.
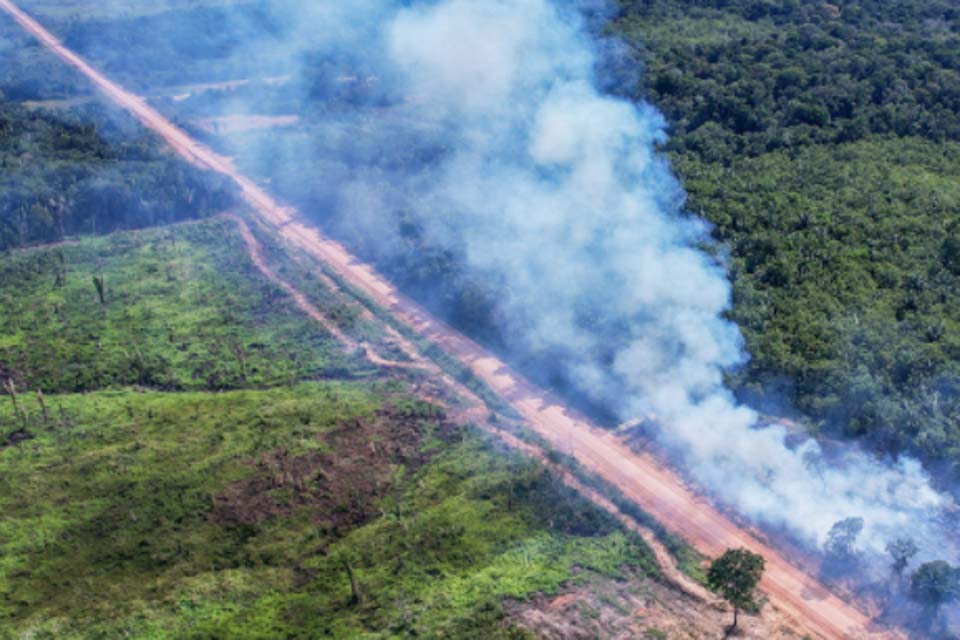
(341, 487)
(638, 608)
(16, 438)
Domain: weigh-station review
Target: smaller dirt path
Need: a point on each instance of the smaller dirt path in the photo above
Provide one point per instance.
(255, 251)
(665, 559)
(668, 564)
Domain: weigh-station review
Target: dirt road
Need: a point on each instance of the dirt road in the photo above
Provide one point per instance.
(640, 477)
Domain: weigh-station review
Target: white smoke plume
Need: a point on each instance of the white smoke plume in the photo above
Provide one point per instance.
(558, 192)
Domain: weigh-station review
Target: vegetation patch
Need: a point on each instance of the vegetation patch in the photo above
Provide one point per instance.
(344, 482)
(821, 141)
(99, 538)
(163, 503)
(89, 171)
(182, 308)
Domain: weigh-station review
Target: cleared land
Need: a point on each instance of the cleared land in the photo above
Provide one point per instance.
(229, 505)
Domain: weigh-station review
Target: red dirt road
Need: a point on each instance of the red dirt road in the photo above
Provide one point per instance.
(641, 477)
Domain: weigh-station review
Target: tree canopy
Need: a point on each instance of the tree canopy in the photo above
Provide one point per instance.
(735, 576)
(89, 171)
(902, 551)
(822, 142)
(935, 584)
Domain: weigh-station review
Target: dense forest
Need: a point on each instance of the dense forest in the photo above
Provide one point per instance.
(821, 140)
(70, 173)
(29, 72)
(747, 77)
(83, 168)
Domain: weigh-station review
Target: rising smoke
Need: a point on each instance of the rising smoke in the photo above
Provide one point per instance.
(557, 192)
(489, 135)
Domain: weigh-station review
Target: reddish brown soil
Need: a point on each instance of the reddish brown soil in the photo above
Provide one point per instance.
(340, 488)
(637, 608)
(641, 477)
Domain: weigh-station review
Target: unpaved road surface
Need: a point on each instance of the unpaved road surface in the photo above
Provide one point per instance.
(640, 477)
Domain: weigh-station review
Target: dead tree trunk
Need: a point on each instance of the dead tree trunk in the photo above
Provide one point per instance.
(61, 268)
(355, 597)
(64, 419)
(11, 388)
(98, 283)
(43, 407)
(732, 630)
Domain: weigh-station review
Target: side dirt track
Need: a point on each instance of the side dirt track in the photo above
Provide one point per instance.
(640, 477)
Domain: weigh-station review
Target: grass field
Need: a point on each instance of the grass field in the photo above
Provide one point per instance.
(232, 515)
(160, 502)
(184, 308)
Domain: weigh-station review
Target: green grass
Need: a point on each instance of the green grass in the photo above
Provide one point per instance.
(688, 559)
(116, 493)
(185, 493)
(185, 309)
(107, 526)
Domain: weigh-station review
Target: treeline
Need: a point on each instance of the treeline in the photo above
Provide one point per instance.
(30, 72)
(86, 171)
(180, 46)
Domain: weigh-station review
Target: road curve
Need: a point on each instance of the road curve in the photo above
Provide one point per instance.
(640, 477)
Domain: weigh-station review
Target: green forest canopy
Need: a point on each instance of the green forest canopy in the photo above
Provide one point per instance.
(822, 141)
(66, 173)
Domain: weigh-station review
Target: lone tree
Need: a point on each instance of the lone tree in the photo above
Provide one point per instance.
(11, 388)
(902, 551)
(933, 585)
(735, 576)
(101, 292)
(842, 538)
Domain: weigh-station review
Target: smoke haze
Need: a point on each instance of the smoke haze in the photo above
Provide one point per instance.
(556, 191)
(482, 124)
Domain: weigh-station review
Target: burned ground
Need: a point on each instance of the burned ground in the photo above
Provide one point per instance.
(342, 485)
